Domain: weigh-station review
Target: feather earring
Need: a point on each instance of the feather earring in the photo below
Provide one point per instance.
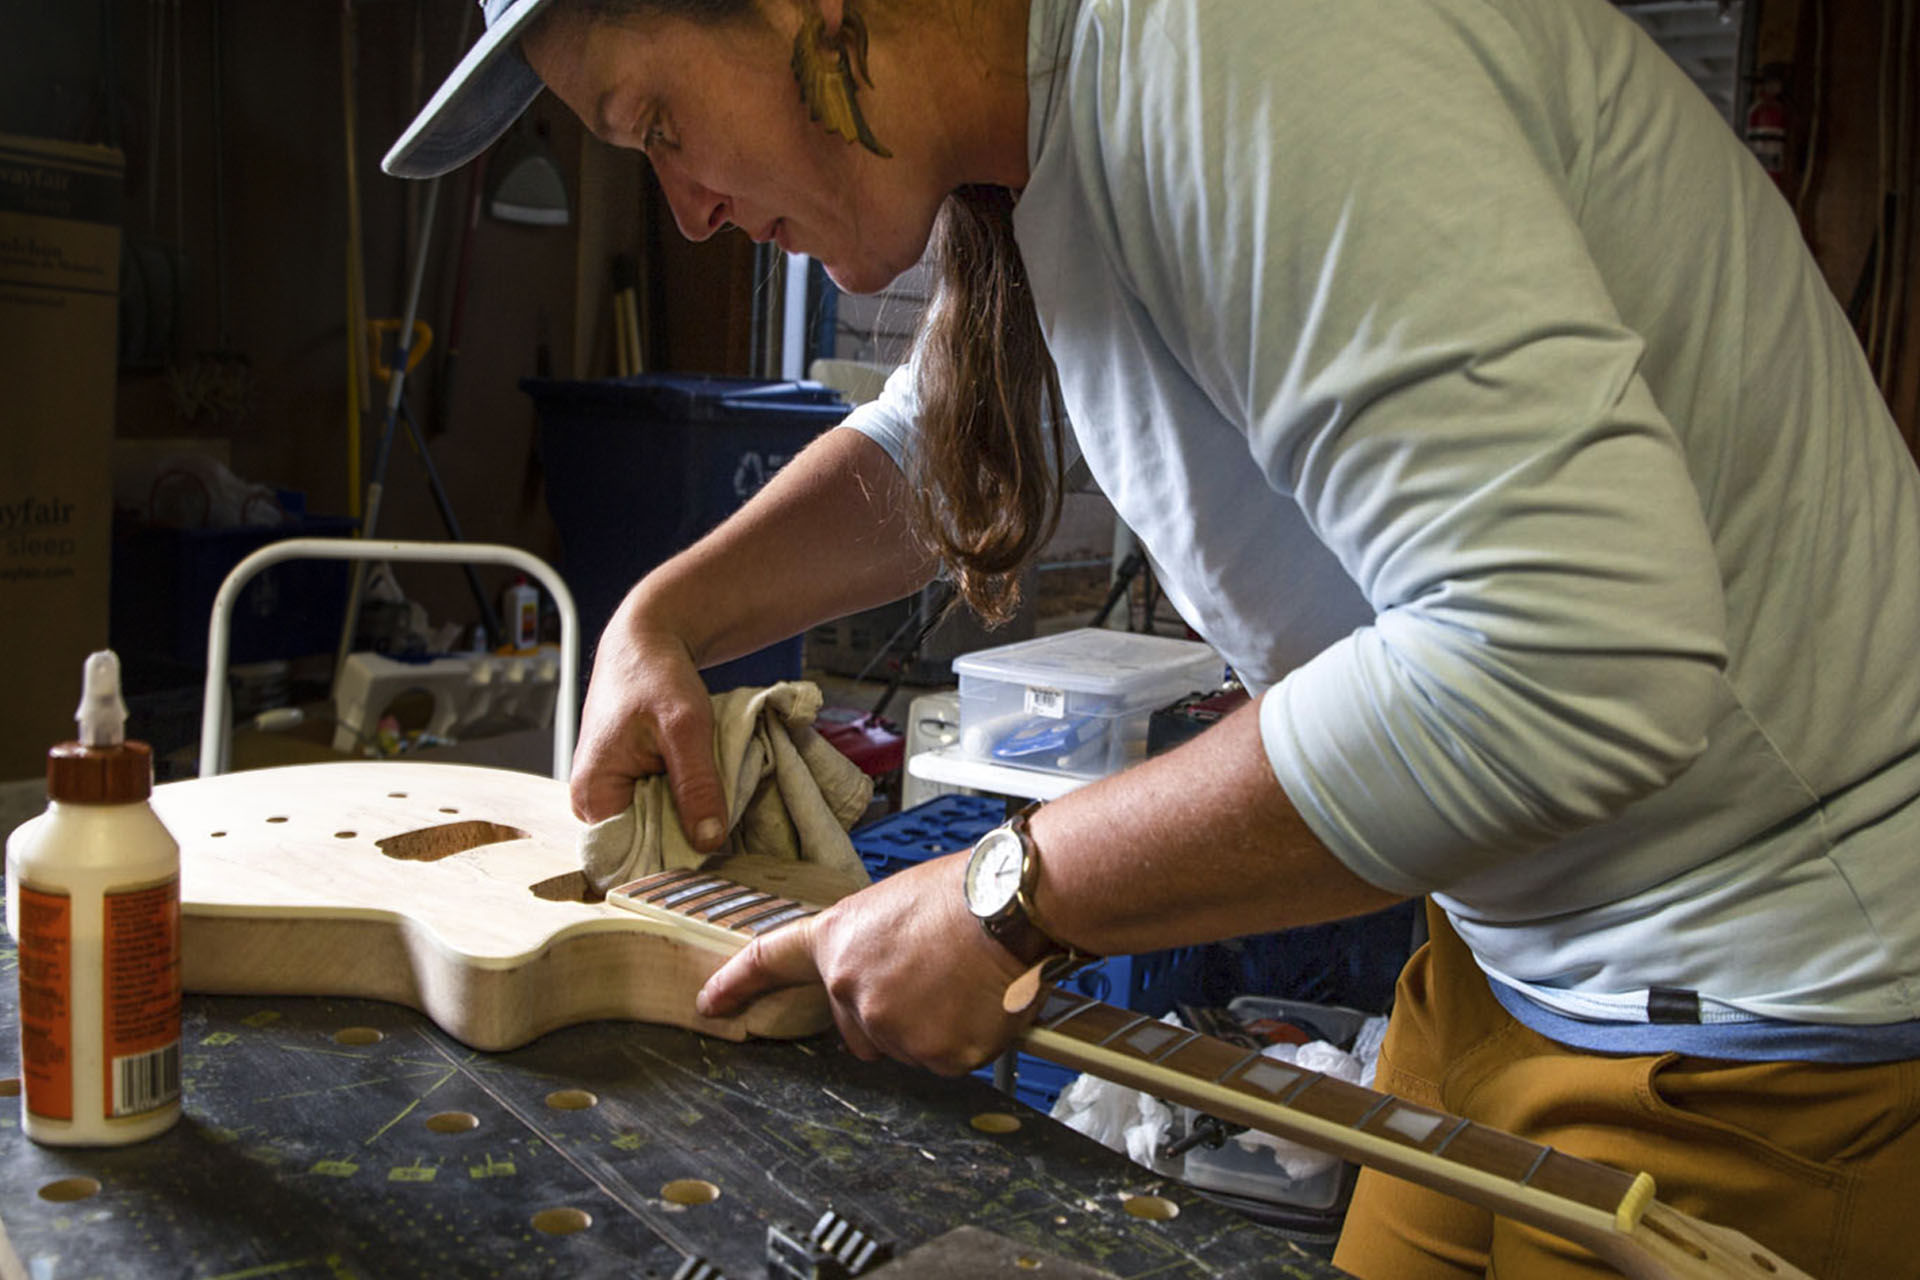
(826, 68)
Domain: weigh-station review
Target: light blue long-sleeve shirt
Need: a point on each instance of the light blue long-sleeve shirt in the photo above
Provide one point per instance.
(1476, 397)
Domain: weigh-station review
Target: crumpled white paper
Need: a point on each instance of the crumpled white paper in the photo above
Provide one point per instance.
(1116, 1116)
(1137, 1123)
(1302, 1163)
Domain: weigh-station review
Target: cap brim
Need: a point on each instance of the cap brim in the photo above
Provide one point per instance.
(486, 93)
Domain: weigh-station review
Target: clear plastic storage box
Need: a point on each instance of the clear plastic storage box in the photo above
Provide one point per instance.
(1077, 702)
(1253, 1172)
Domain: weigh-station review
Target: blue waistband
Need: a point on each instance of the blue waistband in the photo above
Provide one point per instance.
(1761, 1040)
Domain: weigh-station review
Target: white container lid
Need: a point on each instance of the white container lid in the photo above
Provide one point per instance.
(1095, 660)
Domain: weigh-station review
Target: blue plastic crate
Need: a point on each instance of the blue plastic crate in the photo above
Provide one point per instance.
(1036, 1082)
(639, 468)
(1151, 982)
(942, 825)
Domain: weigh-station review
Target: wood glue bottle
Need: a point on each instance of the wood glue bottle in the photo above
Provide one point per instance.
(93, 902)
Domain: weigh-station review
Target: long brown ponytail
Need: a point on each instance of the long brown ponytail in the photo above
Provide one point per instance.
(987, 471)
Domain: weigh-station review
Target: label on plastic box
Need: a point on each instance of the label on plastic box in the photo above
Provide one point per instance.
(141, 998)
(1042, 701)
(46, 1010)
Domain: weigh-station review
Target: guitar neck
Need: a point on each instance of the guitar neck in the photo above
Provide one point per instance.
(1604, 1209)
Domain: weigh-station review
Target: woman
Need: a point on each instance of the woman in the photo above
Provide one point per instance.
(1477, 399)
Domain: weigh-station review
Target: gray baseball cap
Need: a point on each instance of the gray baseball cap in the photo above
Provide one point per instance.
(485, 94)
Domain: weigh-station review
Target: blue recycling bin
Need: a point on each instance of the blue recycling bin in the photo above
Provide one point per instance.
(639, 468)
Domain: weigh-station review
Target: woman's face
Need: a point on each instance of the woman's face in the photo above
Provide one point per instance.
(718, 113)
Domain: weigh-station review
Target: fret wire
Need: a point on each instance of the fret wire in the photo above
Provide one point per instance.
(1534, 1168)
(1124, 1027)
(1251, 1058)
(672, 892)
(749, 903)
(767, 924)
(1174, 1048)
(1452, 1133)
(674, 876)
(1313, 1078)
(779, 905)
(659, 882)
(732, 902)
(1373, 1111)
(631, 889)
(711, 894)
(1086, 1004)
(659, 878)
(674, 898)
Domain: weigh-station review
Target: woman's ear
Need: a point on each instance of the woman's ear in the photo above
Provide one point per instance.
(830, 63)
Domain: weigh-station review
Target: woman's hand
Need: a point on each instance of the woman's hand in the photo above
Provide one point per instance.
(909, 971)
(647, 712)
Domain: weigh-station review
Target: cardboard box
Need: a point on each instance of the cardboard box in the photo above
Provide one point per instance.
(60, 206)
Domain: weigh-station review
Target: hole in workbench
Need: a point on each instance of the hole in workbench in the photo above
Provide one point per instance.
(453, 1121)
(562, 1222)
(995, 1122)
(217, 834)
(447, 810)
(689, 1191)
(66, 1190)
(1152, 1208)
(276, 819)
(572, 1100)
(359, 1035)
(430, 844)
(345, 835)
(396, 795)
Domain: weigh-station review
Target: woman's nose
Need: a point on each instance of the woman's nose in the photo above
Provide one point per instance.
(698, 211)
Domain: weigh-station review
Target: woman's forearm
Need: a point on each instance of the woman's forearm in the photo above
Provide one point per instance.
(826, 537)
(1195, 845)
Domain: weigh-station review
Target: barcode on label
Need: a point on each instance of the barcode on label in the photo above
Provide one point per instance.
(1042, 701)
(144, 1081)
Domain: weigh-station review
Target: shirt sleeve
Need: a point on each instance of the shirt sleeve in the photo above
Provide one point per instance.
(890, 420)
(1353, 226)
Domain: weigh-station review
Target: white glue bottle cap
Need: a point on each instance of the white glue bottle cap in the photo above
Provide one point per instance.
(102, 767)
(102, 714)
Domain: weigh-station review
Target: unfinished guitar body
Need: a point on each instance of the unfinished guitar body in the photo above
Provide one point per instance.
(452, 889)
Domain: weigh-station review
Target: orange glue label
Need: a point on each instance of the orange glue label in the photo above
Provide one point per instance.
(140, 999)
(46, 1009)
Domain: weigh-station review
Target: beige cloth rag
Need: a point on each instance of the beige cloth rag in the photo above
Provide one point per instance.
(789, 793)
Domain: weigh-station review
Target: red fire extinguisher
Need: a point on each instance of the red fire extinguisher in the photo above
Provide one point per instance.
(1769, 121)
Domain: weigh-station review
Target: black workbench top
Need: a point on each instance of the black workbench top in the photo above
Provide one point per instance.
(300, 1155)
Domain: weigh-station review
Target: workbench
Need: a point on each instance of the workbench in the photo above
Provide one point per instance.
(353, 1138)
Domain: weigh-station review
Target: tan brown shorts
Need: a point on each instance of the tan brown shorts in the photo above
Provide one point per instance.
(1820, 1163)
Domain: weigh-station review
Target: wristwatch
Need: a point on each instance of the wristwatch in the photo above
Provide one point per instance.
(1002, 873)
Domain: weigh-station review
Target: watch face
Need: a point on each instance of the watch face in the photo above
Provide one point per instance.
(993, 872)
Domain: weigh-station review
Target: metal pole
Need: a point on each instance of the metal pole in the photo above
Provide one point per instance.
(213, 713)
